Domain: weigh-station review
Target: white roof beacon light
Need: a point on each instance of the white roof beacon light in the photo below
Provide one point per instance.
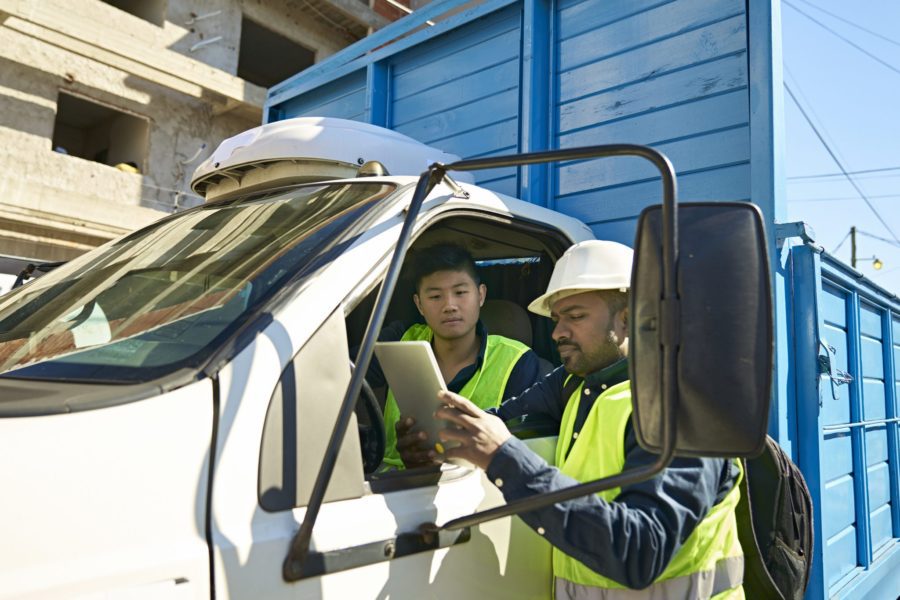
(308, 149)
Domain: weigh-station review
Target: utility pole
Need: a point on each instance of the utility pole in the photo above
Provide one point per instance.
(876, 262)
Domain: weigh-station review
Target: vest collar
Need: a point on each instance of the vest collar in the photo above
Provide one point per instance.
(466, 373)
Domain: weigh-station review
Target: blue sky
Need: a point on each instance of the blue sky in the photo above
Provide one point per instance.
(853, 98)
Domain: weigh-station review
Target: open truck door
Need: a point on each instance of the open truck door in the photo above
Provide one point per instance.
(367, 541)
(687, 312)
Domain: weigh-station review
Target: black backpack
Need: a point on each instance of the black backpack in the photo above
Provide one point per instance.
(775, 526)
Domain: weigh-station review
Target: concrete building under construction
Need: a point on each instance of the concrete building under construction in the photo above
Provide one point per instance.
(107, 106)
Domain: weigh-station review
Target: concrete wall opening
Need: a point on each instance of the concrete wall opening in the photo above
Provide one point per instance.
(100, 133)
(267, 58)
(149, 10)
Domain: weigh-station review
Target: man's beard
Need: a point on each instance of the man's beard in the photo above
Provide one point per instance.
(583, 363)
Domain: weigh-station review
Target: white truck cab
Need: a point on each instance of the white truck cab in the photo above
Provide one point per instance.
(183, 411)
(167, 399)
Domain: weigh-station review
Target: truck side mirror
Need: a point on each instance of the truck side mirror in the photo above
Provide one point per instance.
(723, 330)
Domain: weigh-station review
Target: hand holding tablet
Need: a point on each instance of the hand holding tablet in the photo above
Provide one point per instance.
(415, 379)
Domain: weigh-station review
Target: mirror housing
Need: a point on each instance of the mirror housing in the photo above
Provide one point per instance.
(723, 331)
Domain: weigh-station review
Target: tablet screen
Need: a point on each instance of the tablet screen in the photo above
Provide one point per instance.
(415, 379)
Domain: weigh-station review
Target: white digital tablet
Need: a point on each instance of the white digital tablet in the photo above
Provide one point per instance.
(415, 379)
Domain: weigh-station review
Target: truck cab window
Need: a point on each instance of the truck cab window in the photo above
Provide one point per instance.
(514, 261)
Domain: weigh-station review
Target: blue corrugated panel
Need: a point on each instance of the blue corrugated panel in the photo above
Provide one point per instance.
(833, 310)
(896, 335)
(460, 92)
(839, 487)
(875, 409)
(344, 98)
(858, 487)
(672, 75)
(844, 365)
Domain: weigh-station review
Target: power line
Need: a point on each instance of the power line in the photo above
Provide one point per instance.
(862, 172)
(880, 239)
(851, 23)
(838, 162)
(841, 243)
(839, 36)
(811, 109)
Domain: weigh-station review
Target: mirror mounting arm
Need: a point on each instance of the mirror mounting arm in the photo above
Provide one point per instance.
(669, 311)
(584, 489)
(292, 568)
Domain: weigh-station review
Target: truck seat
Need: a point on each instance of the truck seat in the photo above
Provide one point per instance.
(506, 318)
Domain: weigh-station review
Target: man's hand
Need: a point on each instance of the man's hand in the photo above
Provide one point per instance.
(479, 434)
(411, 444)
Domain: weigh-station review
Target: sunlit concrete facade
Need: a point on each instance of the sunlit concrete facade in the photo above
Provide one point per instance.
(106, 107)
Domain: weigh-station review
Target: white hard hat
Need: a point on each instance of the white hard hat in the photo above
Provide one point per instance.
(587, 266)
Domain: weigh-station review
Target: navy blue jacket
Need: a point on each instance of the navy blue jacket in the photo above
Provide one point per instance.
(632, 539)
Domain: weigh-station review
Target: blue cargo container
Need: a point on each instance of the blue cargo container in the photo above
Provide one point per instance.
(701, 81)
(842, 372)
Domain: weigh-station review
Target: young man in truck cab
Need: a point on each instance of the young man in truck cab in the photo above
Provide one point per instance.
(482, 367)
(672, 536)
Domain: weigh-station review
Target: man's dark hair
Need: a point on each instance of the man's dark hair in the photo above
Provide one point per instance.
(442, 257)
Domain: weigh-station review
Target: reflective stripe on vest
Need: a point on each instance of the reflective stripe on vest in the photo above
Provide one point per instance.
(722, 583)
(485, 388)
(709, 559)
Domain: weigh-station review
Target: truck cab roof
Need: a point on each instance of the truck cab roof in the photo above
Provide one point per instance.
(309, 149)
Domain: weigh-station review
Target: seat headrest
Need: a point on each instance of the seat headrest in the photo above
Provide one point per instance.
(506, 318)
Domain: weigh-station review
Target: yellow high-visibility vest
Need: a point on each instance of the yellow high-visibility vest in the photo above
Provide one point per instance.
(709, 564)
(484, 389)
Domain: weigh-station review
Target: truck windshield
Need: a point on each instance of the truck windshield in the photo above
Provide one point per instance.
(167, 296)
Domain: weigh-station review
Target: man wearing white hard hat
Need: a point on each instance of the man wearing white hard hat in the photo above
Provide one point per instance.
(672, 536)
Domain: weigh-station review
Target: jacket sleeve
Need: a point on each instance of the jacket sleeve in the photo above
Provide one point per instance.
(544, 397)
(632, 539)
(524, 374)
